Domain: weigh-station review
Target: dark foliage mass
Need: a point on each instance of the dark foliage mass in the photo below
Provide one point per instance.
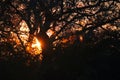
(92, 30)
(98, 62)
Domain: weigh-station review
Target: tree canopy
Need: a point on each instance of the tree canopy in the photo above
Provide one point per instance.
(55, 22)
(66, 37)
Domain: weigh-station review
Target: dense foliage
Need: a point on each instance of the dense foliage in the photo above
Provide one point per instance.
(80, 39)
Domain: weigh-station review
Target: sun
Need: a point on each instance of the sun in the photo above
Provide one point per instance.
(36, 44)
(34, 47)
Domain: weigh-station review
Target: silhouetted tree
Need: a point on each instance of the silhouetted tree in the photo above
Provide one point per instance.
(93, 25)
(59, 16)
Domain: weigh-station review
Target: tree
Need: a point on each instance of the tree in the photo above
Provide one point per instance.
(90, 28)
(63, 17)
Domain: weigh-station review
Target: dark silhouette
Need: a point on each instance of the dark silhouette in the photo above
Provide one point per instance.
(85, 43)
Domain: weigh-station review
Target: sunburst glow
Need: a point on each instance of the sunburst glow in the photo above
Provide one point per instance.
(36, 44)
(34, 47)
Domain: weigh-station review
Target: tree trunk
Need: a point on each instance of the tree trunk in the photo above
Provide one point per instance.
(45, 42)
(46, 47)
